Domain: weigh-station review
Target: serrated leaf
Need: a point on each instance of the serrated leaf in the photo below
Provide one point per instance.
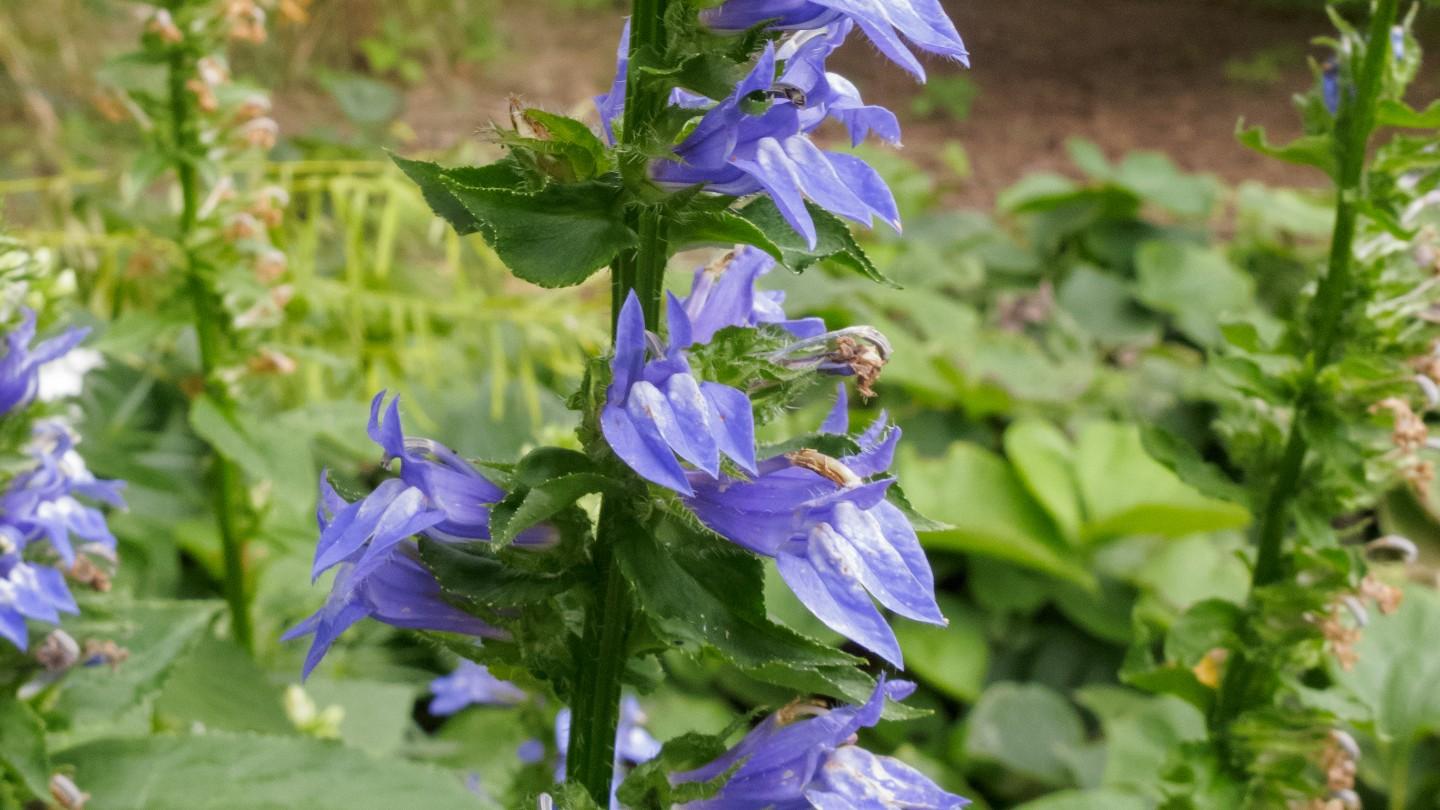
(428, 176)
(23, 753)
(1317, 151)
(698, 591)
(544, 501)
(225, 771)
(474, 576)
(1396, 113)
(723, 228)
(834, 242)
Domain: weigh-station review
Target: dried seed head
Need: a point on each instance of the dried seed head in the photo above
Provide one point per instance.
(1409, 432)
(270, 265)
(212, 71)
(242, 226)
(103, 651)
(204, 95)
(525, 124)
(1386, 597)
(824, 465)
(58, 652)
(87, 573)
(859, 351)
(260, 133)
(269, 361)
(253, 106)
(163, 25)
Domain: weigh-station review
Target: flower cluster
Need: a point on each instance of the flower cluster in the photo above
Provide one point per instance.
(379, 574)
(805, 756)
(835, 538)
(48, 526)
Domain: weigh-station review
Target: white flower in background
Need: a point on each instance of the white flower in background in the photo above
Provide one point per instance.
(65, 377)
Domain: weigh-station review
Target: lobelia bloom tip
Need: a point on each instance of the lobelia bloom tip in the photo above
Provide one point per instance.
(922, 22)
(723, 294)
(471, 684)
(806, 757)
(389, 585)
(657, 410)
(836, 540)
(743, 146)
(20, 367)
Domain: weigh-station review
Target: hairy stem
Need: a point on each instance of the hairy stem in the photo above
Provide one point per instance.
(603, 654)
(1332, 298)
(210, 337)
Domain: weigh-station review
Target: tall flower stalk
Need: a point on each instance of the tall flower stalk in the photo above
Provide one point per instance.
(705, 141)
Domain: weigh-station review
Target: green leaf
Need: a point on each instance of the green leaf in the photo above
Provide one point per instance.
(22, 754)
(1026, 728)
(218, 686)
(474, 576)
(1041, 455)
(550, 234)
(951, 659)
(990, 510)
(377, 715)
(1089, 800)
(834, 242)
(1152, 501)
(556, 237)
(156, 634)
(1195, 285)
(1141, 733)
(1393, 112)
(701, 592)
(1317, 151)
(721, 229)
(1105, 307)
(544, 501)
(224, 771)
(223, 430)
(1397, 666)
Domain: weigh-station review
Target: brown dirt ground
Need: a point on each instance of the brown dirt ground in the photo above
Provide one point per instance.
(1128, 74)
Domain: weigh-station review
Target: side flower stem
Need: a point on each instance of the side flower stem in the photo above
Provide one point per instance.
(1329, 311)
(207, 328)
(603, 653)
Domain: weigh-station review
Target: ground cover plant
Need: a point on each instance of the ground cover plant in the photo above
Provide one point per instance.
(620, 458)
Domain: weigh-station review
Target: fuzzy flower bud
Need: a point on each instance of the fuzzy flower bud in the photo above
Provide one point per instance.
(163, 26)
(260, 133)
(270, 265)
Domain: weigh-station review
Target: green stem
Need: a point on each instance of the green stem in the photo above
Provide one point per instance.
(603, 653)
(1332, 298)
(208, 315)
(1399, 781)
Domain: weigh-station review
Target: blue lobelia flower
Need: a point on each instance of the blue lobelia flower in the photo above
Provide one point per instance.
(744, 145)
(723, 294)
(611, 105)
(471, 684)
(20, 367)
(820, 94)
(42, 503)
(657, 410)
(379, 578)
(634, 745)
(836, 540)
(28, 591)
(806, 757)
(922, 22)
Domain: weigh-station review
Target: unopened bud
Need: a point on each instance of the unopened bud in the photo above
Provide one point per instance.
(270, 266)
(1348, 799)
(204, 95)
(270, 361)
(242, 226)
(212, 71)
(253, 106)
(1345, 743)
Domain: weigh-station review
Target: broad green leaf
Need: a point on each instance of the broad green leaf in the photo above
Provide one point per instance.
(224, 431)
(834, 241)
(545, 501)
(1317, 151)
(156, 635)
(1152, 500)
(1197, 286)
(430, 178)
(22, 747)
(698, 591)
(991, 512)
(377, 715)
(1397, 667)
(224, 771)
(1026, 728)
(216, 686)
(473, 575)
(1141, 733)
(1155, 178)
(1089, 800)
(556, 237)
(1105, 306)
(1104, 612)
(1042, 457)
(722, 229)
(951, 659)
(1395, 113)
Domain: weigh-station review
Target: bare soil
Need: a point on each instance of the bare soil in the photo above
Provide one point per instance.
(1127, 74)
